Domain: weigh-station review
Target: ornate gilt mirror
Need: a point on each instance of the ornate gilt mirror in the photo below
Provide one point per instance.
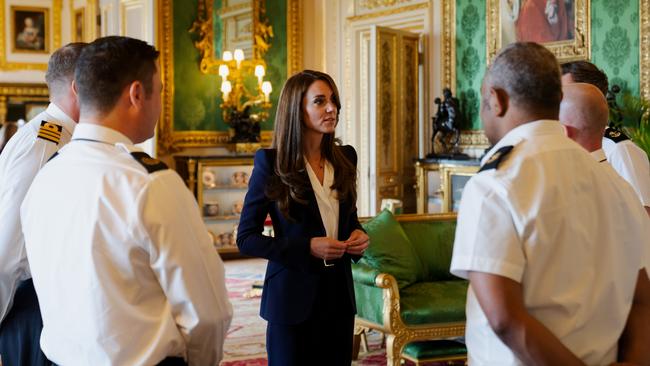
(226, 25)
(191, 44)
(22, 101)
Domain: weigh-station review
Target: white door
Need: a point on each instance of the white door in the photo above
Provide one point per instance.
(132, 18)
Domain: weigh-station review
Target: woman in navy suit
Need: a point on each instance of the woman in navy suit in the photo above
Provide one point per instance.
(307, 183)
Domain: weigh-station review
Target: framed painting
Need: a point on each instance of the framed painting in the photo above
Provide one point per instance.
(78, 25)
(30, 29)
(563, 26)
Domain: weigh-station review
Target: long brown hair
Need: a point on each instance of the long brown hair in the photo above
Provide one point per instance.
(290, 181)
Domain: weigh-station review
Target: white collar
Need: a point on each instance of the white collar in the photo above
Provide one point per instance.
(328, 175)
(59, 115)
(526, 130)
(89, 131)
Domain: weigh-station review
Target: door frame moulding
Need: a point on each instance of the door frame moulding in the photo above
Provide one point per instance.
(356, 81)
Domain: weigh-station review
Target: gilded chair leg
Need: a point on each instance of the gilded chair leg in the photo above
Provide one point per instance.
(393, 350)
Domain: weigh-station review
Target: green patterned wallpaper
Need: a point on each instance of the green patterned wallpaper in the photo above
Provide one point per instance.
(614, 42)
(196, 95)
(470, 57)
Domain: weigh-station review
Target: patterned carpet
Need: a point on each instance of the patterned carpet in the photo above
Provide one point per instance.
(246, 341)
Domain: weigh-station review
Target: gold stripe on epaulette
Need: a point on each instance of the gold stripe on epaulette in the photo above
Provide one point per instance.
(50, 131)
(53, 135)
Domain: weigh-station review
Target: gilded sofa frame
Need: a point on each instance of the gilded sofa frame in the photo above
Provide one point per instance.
(398, 334)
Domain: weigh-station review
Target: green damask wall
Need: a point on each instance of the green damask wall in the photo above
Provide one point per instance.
(196, 95)
(614, 47)
(470, 57)
(615, 41)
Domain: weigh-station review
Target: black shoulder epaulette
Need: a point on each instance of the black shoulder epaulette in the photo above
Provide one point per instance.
(496, 158)
(149, 163)
(615, 134)
(50, 131)
(56, 153)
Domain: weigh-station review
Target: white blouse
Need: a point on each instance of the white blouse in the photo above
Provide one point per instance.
(327, 199)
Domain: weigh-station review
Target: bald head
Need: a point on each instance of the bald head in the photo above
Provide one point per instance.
(584, 112)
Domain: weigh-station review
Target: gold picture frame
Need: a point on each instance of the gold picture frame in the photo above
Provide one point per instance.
(578, 47)
(78, 30)
(30, 32)
(51, 39)
(170, 140)
(448, 64)
(644, 48)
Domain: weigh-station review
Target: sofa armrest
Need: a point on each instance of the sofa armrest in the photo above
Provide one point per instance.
(364, 274)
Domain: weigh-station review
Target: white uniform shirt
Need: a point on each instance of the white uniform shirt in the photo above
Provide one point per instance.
(22, 158)
(551, 218)
(632, 163)
(326, 198)
(122, 263)
(599, 155)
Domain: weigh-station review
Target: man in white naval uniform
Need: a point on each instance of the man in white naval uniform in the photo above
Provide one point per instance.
(554, 247)
(584, 115)
(25, 153)
(135, 280)
(629, 160)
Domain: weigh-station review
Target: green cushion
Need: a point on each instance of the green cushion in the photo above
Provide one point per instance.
(434, 243)
(424, 350)
(433, 302)
(391, 251)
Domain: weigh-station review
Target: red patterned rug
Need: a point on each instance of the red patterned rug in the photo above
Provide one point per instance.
(245, 344)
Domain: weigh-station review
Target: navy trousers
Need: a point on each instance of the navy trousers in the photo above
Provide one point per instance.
(324, 339)
(20, 331)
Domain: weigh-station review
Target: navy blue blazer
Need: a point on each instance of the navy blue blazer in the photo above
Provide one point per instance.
(292, 274)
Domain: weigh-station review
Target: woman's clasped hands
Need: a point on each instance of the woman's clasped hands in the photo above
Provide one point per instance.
(328, 248)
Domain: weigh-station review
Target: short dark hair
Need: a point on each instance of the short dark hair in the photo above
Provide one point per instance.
(530, 74)
(61, 66)
(108, 65)
(586, 72)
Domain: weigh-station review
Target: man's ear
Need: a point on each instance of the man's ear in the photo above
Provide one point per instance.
(499, 101)
(570, 131)
(73, 87)
(136, 94)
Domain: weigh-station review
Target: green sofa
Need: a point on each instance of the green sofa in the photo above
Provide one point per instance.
(402, 284)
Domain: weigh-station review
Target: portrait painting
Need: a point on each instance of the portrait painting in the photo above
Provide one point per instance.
(560, 25)
(78, 26)
(540, 21)
(29, 27)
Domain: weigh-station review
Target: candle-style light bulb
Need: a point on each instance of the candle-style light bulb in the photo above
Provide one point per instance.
(259, 72)
(227, 56)
(266, 89)
(226, 88)
(223, 71)
(239, 56)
